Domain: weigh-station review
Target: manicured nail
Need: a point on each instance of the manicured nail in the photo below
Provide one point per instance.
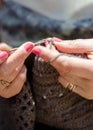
(57, 39)
(36, 51)
(28, 47)
(3, 55)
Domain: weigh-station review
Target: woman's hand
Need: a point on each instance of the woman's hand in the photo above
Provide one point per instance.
(72, 70)
(12, 69)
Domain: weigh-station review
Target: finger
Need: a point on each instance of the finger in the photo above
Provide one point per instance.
(9, 76)
(4, 47)
(16, 85)
(72, 65)
(75, 46)
(3, 56)
(82, 82)
(17, 58)
(45, 52)
(13, 73)
(77, 89)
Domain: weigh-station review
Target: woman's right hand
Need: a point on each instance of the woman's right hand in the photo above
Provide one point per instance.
(12, 69)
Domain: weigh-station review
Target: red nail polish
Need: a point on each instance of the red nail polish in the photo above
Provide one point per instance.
(3, 55)
(28, 47)
(57, 39)
(36, 52)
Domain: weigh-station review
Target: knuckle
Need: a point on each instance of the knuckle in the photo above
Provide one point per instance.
(66, 65)
(24, 70)
(22, 77)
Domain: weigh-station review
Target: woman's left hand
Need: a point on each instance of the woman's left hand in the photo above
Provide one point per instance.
(74, 72)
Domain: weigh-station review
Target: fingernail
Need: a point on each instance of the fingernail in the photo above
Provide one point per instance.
(3, 55)
(36, 51)
(28, 47)
(57, 39)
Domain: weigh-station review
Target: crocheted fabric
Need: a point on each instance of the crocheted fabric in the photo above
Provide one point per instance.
(18, 113)
(23, 106)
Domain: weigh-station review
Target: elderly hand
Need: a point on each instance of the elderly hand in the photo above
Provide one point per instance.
(74, 71)
(12, 69)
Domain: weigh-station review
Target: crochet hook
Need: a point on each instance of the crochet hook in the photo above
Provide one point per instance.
(40, 42)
